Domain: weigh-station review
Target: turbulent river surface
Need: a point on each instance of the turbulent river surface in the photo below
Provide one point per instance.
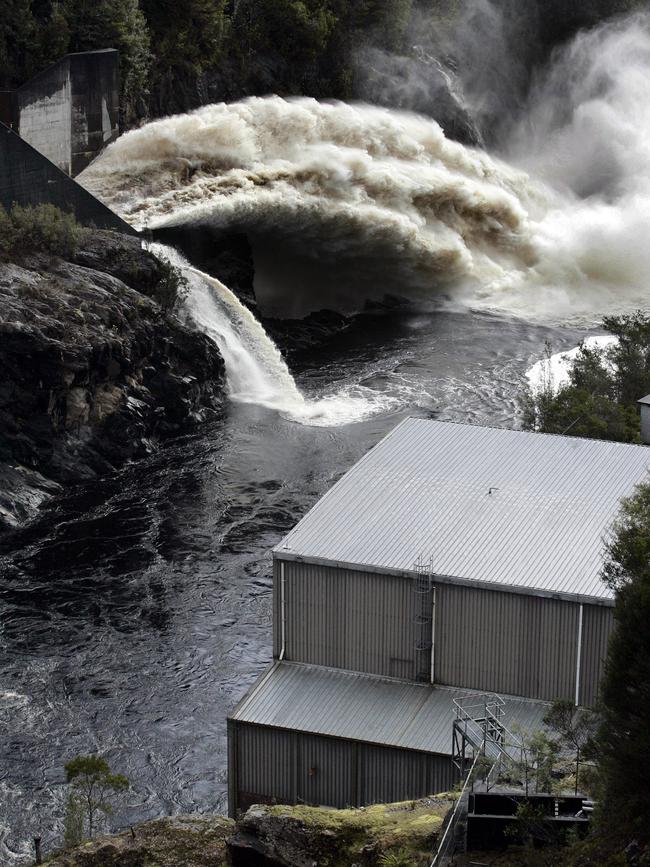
(136, 611)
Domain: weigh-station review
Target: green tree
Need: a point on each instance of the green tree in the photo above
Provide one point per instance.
(93, 786)
(117, 24)
(604, 386)
(532, 828)
(51, 37)
(574, 726)
(172, 286)
(17, 34)
(539, 754)
(623, 738)
(73, 821)
(384, 22)
(283, 41)
(189, 38)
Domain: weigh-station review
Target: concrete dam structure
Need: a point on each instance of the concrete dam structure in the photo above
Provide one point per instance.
(70, 111)
(52, 127)
(28, 178)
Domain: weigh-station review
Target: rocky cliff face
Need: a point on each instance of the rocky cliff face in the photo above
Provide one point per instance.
(92, 371)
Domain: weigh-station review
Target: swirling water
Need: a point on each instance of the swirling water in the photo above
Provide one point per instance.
(136, 611)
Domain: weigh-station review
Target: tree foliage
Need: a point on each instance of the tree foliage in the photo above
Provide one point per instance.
(171, 287)
(45, 228)
(93, 787)
(189, 37)
(623, 739)
(178, 54)
(574, 727)
(538, 755)
(600, 400)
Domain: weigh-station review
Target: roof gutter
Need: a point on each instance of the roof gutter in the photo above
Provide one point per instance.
(289, 556)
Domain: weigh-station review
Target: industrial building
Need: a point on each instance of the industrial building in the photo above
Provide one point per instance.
(453, 562)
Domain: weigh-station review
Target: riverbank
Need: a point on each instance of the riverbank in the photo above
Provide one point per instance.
(95, 371)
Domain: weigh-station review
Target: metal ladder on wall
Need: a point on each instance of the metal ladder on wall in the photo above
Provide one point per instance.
(423, 593)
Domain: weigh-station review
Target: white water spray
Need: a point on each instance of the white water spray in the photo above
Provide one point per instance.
(347, 202)
(255, 370)
(343, 203)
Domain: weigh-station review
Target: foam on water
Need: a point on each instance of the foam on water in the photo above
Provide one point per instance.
(255, 370)
(552, 373)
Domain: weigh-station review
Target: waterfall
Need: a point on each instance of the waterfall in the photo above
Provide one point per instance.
(255, 369)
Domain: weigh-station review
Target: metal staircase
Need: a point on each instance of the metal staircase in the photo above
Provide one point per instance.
(479, 729)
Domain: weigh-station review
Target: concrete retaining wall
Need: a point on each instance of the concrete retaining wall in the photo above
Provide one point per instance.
(28, 178)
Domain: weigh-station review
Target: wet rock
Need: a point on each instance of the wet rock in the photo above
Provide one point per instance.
(295, 337)
(225, 255)
(92, 372)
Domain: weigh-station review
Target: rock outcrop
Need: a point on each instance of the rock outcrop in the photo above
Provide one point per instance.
(178, 841)
(280, 836)
(93, 372)
(274, 836)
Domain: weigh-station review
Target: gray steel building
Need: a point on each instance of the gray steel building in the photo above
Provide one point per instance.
(451, 560)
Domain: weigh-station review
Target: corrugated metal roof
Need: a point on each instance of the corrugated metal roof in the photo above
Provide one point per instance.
(364, 707)
(503, 507)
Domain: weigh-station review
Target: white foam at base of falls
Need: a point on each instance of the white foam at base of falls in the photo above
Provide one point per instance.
(255, 369)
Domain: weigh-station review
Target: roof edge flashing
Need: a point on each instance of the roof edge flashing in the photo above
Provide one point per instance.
(290, 557)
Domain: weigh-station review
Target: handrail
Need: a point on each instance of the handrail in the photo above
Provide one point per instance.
(491, 706)
(452, 819)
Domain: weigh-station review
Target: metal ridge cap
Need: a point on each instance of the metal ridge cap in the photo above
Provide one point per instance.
(369, 739)
(349, 672)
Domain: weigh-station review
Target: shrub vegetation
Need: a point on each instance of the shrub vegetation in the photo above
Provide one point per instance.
(40, 227)
(600, 399)
(93, 790)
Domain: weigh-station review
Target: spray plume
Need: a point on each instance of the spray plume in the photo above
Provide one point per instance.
(348, 202)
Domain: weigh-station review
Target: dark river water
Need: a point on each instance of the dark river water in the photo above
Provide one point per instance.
(136, 612)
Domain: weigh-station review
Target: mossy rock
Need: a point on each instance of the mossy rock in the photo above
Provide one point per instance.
(179, 841)
(302, 836)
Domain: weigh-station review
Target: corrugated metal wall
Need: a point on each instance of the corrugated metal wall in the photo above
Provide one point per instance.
(516, 644)
(505, 642)
(291, 767)
(597, 625)
(265, 762)
(357, 621)
(389, 775)
(326, 771)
